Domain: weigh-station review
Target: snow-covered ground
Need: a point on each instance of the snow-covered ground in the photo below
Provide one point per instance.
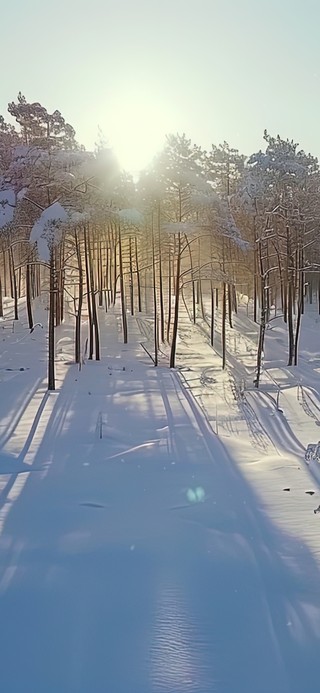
(139, 551)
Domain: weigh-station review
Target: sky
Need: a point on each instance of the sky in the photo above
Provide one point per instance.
(139, 69)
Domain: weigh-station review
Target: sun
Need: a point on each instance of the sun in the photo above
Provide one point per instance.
(136, 126)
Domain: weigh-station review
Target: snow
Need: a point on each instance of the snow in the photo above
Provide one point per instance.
(79, 217)
(140, 552)
(131, 216)
(21, 194)
(7, 206)
(46, 229)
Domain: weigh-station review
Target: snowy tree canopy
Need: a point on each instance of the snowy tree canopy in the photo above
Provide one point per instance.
(131, 217)
(46, 230)
(7, 206)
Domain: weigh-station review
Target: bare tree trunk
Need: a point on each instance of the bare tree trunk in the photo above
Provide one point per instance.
(115, 267)
(62, 281)
(176, 305)
(262, 320)
(260, 345)
(80, 301)
(223, 326)
(122, 292)
(160, 279)
(57, 293)
(212, 316)
(13, 283)
(203, 314)
(107, 292)
(234, 296)
(1, 300)
(94, 306)
(138, 274)
(4, 273)
(90, 321)
(169, 295)
(28, 297)
(255, 277)
(290, 323)
(51, 354)
(19, 282)
(110, 285)
(290, 297)
(192, 282)
(230, 305)
(155, 309)
(131, 279)
(38, 275)
(300, 310)
(100, 275)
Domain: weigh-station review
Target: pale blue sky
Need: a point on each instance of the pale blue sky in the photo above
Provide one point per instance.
(214, 69)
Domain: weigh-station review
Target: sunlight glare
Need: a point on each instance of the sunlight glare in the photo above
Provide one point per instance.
(136, 126)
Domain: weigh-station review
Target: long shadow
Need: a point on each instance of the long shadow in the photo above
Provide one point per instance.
(279, 429)
(143, 591)
(26, 397)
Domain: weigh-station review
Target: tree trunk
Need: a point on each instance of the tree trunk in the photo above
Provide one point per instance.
(299, 314)
(28, 297)
(131, 278)
(155, 309)
(4, 273)
(262, 320)
(193, 287)
(51, 368)
(100, 276)
(90, 321)
(94, 306)
(230, 305)
(223, 326)
(115, 267)
(234, 296)
(160, 280)
(138, 274)
(169, 295)
(260, 345)
(290, 324)
(1, 301)
(212, 316)
(122, 293)
(255, 286)
(80, 301)
(107, 293)
(176, 305)
(57, 291)
(13, 281)
(19, 282)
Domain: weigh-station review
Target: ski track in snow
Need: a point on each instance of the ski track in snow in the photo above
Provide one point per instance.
(110, 577)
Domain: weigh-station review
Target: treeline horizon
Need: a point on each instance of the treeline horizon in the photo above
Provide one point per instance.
(197, 229)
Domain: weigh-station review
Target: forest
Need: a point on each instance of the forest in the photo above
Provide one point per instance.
(198, 231)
